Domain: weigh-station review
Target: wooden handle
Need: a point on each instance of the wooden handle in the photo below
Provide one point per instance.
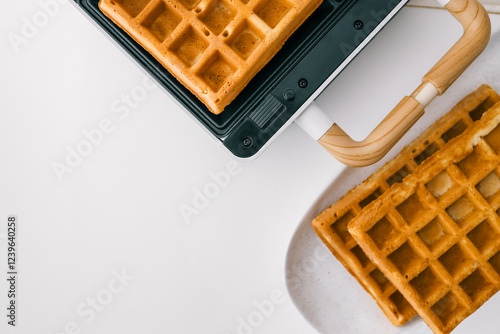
(379, 142)
(477, 29)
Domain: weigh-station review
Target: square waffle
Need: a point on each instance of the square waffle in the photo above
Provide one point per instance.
(331, 225)
(213, 47)
(436, 236)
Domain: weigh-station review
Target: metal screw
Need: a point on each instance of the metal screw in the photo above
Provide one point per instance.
(303, 83)
(247, 142)
(358, 25)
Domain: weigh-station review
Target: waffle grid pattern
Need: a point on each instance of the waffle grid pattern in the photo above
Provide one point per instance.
(437, 236)
(331, 225)
(214, 47)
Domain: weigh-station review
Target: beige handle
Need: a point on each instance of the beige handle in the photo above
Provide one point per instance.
(477, 29)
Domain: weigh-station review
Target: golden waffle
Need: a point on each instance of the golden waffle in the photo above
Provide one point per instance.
(213, 47)
(436, 236)
(331, 225)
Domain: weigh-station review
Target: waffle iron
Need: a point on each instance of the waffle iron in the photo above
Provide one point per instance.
(308, 62)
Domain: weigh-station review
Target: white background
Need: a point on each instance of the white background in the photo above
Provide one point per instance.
(118, 210)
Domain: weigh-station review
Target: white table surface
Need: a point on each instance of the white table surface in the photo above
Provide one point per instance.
(117, 213)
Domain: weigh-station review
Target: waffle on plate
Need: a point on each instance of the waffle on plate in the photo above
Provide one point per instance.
(331, 225)
(436, 235)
